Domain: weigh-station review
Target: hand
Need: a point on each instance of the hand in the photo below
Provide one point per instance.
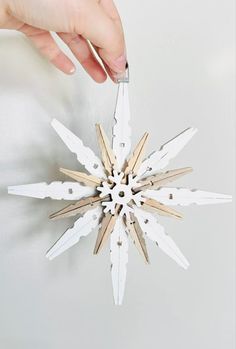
(81, 24)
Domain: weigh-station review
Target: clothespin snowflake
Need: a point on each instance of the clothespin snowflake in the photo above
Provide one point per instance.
(123, 194)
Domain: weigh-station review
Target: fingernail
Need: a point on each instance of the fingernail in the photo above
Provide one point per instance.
(120, 63)
(123, 76)
(72, 70)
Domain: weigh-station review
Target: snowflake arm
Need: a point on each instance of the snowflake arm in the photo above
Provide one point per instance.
(159, 208)
(79, 207)
(81, 177)
(54, 190)
(136, 158)
(156, 233)
(119, 259)
(107, 226)
(184, 196)
(82, 227)
(84, 154)
(121, 142)
(136, 235)
(163, 178)
(108, 156)
(159, 159)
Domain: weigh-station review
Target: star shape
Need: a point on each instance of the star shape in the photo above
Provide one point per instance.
(122, 193)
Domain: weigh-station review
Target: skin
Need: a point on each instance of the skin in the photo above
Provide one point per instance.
(81, 24)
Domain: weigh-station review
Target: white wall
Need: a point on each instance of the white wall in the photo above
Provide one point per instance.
(181, 56)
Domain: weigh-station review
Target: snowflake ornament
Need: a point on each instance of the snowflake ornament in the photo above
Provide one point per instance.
(122, 194)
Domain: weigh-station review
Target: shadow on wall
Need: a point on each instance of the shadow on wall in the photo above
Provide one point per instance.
(24, 71)
(32, 92)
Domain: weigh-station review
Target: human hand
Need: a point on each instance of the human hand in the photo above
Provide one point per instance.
(79, 23)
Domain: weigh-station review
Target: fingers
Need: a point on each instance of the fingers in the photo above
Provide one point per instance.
(101, 25)
(44, 42)
(97, 21)
(82, 51)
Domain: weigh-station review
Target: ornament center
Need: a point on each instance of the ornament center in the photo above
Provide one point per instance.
(120, 193)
